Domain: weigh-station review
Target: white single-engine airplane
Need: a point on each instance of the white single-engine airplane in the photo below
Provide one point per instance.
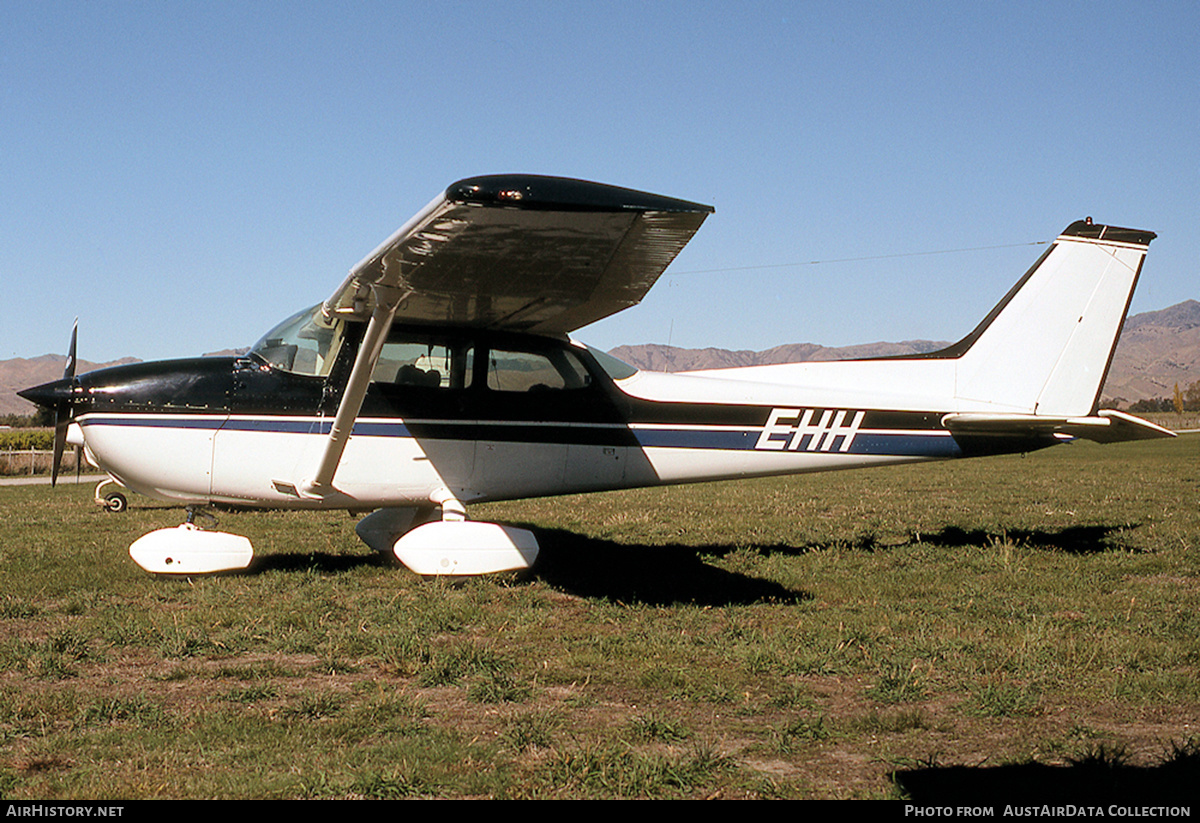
(440, 373)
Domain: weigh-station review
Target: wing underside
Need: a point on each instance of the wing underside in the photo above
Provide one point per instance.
(524, 253)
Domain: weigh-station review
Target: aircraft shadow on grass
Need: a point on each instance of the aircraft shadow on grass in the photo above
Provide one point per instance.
(651, 575)
(595, 568)
(1095, 780)
(675, 573)
(1092, 539)
(1082, 540)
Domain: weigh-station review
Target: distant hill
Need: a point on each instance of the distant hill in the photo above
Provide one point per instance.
(20, 373)
(1157, 350)
(655, 357)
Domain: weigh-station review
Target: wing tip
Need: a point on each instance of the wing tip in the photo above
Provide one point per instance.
(542, 192)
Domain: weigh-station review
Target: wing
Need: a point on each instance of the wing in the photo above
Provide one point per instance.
(524, 253)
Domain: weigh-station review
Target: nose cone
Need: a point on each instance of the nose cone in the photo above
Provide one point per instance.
(50, 395)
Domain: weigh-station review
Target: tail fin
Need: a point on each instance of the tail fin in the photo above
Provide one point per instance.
(1046, 347)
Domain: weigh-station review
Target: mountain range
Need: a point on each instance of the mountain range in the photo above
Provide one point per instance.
(1157, 351)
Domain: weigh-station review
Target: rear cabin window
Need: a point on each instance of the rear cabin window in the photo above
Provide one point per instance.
(524, 371)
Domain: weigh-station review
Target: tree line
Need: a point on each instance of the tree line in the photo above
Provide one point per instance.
(1187, 399)
(39, 419)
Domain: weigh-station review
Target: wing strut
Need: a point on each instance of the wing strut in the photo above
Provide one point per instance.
(387, 299)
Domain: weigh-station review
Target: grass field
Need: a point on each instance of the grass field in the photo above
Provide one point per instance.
(983, 629)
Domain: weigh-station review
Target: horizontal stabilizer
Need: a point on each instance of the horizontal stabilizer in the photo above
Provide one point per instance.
(1106, 426)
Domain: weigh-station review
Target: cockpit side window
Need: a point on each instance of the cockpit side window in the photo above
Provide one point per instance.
(305, 343)
(424, 361)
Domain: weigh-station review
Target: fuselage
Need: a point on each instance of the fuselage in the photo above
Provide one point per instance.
(489, 415)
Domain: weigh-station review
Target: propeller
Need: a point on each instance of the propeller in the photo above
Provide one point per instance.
(63, 411)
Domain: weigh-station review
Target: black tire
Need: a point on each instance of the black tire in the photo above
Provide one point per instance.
(115, 502)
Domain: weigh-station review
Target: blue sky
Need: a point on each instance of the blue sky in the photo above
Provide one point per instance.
(183, 175)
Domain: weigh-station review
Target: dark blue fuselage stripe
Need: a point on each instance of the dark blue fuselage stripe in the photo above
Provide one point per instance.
(917, 445)
(695, 439)
(155, 423)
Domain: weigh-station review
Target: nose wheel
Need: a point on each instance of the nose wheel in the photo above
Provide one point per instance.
(111, 501)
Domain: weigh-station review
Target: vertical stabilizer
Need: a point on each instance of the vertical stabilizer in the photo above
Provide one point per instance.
(1046, 348)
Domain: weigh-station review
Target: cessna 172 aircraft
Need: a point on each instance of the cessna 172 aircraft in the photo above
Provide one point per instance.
(440, 373)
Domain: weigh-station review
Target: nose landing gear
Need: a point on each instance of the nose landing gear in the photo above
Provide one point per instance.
(111, 501)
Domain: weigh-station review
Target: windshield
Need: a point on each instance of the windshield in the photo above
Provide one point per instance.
(305, 343)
